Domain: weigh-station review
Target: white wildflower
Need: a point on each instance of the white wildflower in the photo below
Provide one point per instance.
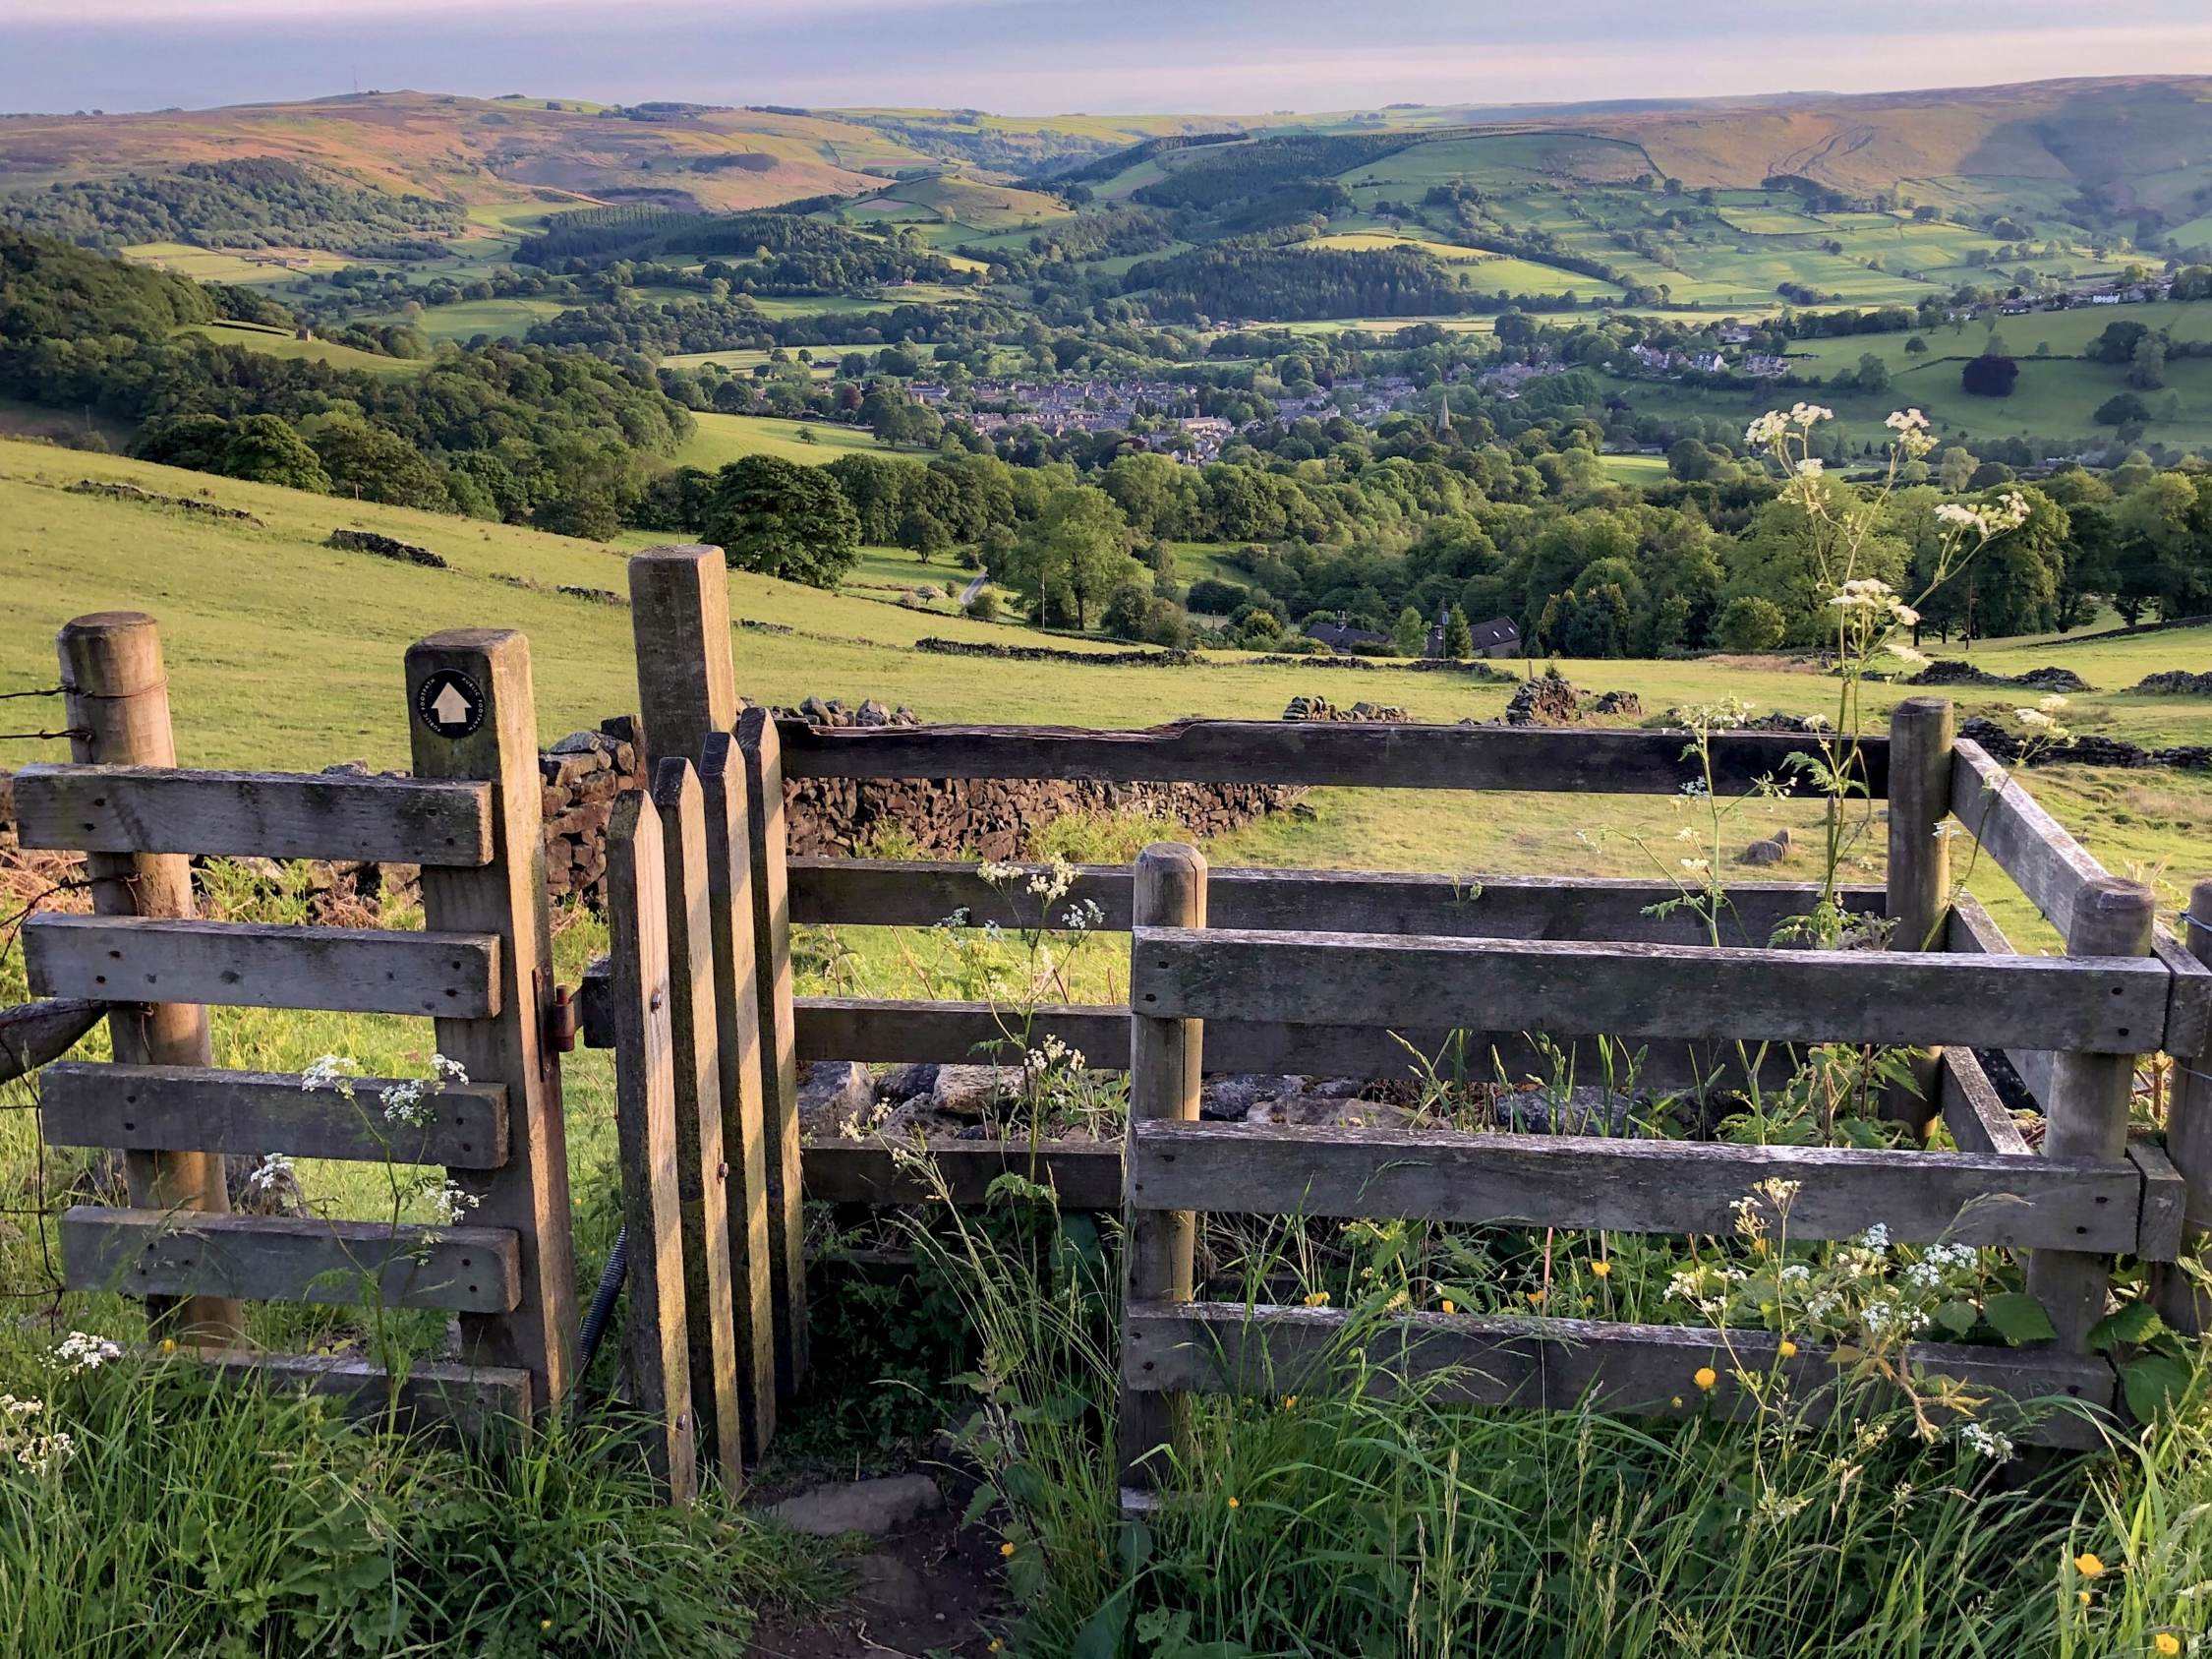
(45, 1455)
(450, 1202)
(1988, 1442)
(1904, 653)
(2034, 719)
(271, 1174)
(403, 1104)
(330, 1071)
(446, 1070)
(1811, 466)
(1876, 1237)
(82, 1351)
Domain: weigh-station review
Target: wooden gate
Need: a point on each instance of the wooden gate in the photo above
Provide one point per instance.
(481, 970)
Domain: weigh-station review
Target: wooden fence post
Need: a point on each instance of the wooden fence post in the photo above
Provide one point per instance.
(1922, 731)
(745, 1137)
(472, 714)
(702, 1166)
(763, 759)
(2086, 1110)
(688, 693)
(2188, 1142)
(655, 1341)
(1158, 1246)
(116, 690)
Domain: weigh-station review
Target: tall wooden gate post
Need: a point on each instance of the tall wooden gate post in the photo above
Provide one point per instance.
(116, 688)
(654, 1342)
(472, 714)
(701, 1168)
(1159, 1246)
(2086, 1108)
(1922, 732)
(2189, 1141)
(679, 607)
(763, 758)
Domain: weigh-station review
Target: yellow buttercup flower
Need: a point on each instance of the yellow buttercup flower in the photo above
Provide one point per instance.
(2167, 1642)
(1788, 1349)
(996, 1646)
(1006, 1548)
(2083, 1597)
(1448, 1307)
(1536, 1297)
(1318, 1300)
(1234, 1504)
(1290, 1402)
(2088, 1566)
(168, 1344)
(1706, 1377)
(1600, 1269)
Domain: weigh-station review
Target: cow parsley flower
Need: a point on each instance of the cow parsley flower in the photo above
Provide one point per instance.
(271, 1174)
(81, 1351)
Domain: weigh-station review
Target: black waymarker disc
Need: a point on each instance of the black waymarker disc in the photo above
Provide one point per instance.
(450, 703)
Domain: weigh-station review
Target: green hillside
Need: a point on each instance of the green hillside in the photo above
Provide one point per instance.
(285, 653)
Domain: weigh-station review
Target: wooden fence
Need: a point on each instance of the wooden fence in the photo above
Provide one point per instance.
(481, 970)
(1346, 973)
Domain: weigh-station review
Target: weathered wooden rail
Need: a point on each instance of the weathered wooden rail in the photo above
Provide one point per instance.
(482, 971)
(1350, 974)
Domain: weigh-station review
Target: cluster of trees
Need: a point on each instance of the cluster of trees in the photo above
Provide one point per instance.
(1290, 283)
(521, 433)
(262, 201)
(778, 253)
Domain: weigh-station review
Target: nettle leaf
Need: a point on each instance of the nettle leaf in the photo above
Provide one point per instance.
(2018, 1318)
(2153, 1383)
(1958, 1318)
(2135, 1322)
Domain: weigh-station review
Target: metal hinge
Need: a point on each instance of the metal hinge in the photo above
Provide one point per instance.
(563, 1017)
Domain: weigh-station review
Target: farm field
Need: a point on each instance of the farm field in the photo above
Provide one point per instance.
(246, 608)
(721, 438)
(281, 343)
(262, 268)
(464, 319)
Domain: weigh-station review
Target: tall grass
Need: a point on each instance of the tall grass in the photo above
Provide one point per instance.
(191, 1516)
(1352, 1517)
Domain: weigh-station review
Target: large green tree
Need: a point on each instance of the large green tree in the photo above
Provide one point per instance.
(783, 520)
(1074, 555)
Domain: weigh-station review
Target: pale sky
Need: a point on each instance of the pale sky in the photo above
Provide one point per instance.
(1040, 56)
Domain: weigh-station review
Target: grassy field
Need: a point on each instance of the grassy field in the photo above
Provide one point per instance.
(259, 269)
(721, 438)
(251, 611)
(463, 320)
(281, 342)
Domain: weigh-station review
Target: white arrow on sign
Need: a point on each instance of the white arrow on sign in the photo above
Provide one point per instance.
(449, 707)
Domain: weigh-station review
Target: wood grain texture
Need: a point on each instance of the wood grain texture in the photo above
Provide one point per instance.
(116, 700)
(1159, 1243)
(1553, 1364)
(506, 898)
(255, 815)
(2026, 843)
(2188, 1140)
(255, 964)
(890, 892)
(656, 1350)
(759, 749)
(34, 1033)
(1973, 931)
(1628, 1185)
(701, 1164)
(1680, 991)
(1085, 1178)
(249, 1113)
(2085, 1114)
(1922, 734)
(434, 1394)
(2188, 1006)
(1275, 751)
(2165, 1209)
(282, 1258)
(679, 622)
(1972, 1110)
(744, 1134)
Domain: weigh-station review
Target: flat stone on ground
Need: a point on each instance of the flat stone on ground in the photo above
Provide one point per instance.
(876, 1507)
